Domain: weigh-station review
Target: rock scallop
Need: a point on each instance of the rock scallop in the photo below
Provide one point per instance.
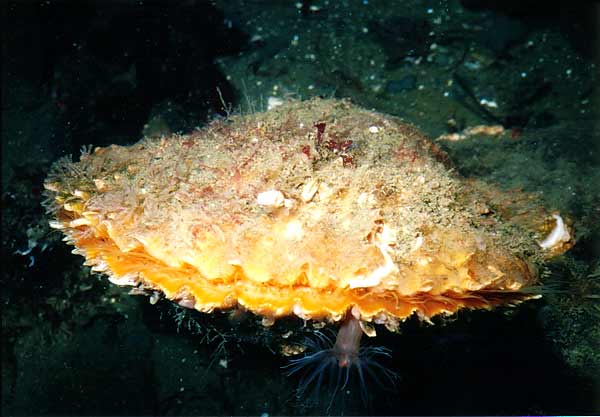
(316, 208)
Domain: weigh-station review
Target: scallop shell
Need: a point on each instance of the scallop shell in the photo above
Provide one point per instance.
(258, 211)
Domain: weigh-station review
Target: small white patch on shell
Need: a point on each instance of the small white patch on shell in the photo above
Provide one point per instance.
(127, 279)
(100, 267)
(387, 237)
(81, 194)
(382, 241)
(82, 221)
(424, 261)
(289, 203)
(559, 234)
(309, 190)
(68, 206)
(56, 225)
(271, 198)
(374, 129)
(100, 184)
(366, 200)
(418, 243)
(294, 231)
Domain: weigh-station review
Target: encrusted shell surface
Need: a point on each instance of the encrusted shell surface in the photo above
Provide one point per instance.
(305, 209)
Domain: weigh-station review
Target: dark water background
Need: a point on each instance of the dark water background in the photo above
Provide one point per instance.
(100, 72)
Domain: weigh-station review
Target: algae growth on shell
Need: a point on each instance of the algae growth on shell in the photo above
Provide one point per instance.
(314, 209)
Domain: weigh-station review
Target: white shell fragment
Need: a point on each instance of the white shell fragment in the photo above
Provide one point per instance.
(418, 243)
(309, 190)
(271, 198)
(382, 241)
(559, 234)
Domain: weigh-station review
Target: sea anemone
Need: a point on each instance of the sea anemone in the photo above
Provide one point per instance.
(330, 365)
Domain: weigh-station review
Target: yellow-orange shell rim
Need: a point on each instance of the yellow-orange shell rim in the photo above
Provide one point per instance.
(314, 208)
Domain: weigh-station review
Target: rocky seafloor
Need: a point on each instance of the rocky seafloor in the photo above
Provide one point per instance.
(84, 73)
